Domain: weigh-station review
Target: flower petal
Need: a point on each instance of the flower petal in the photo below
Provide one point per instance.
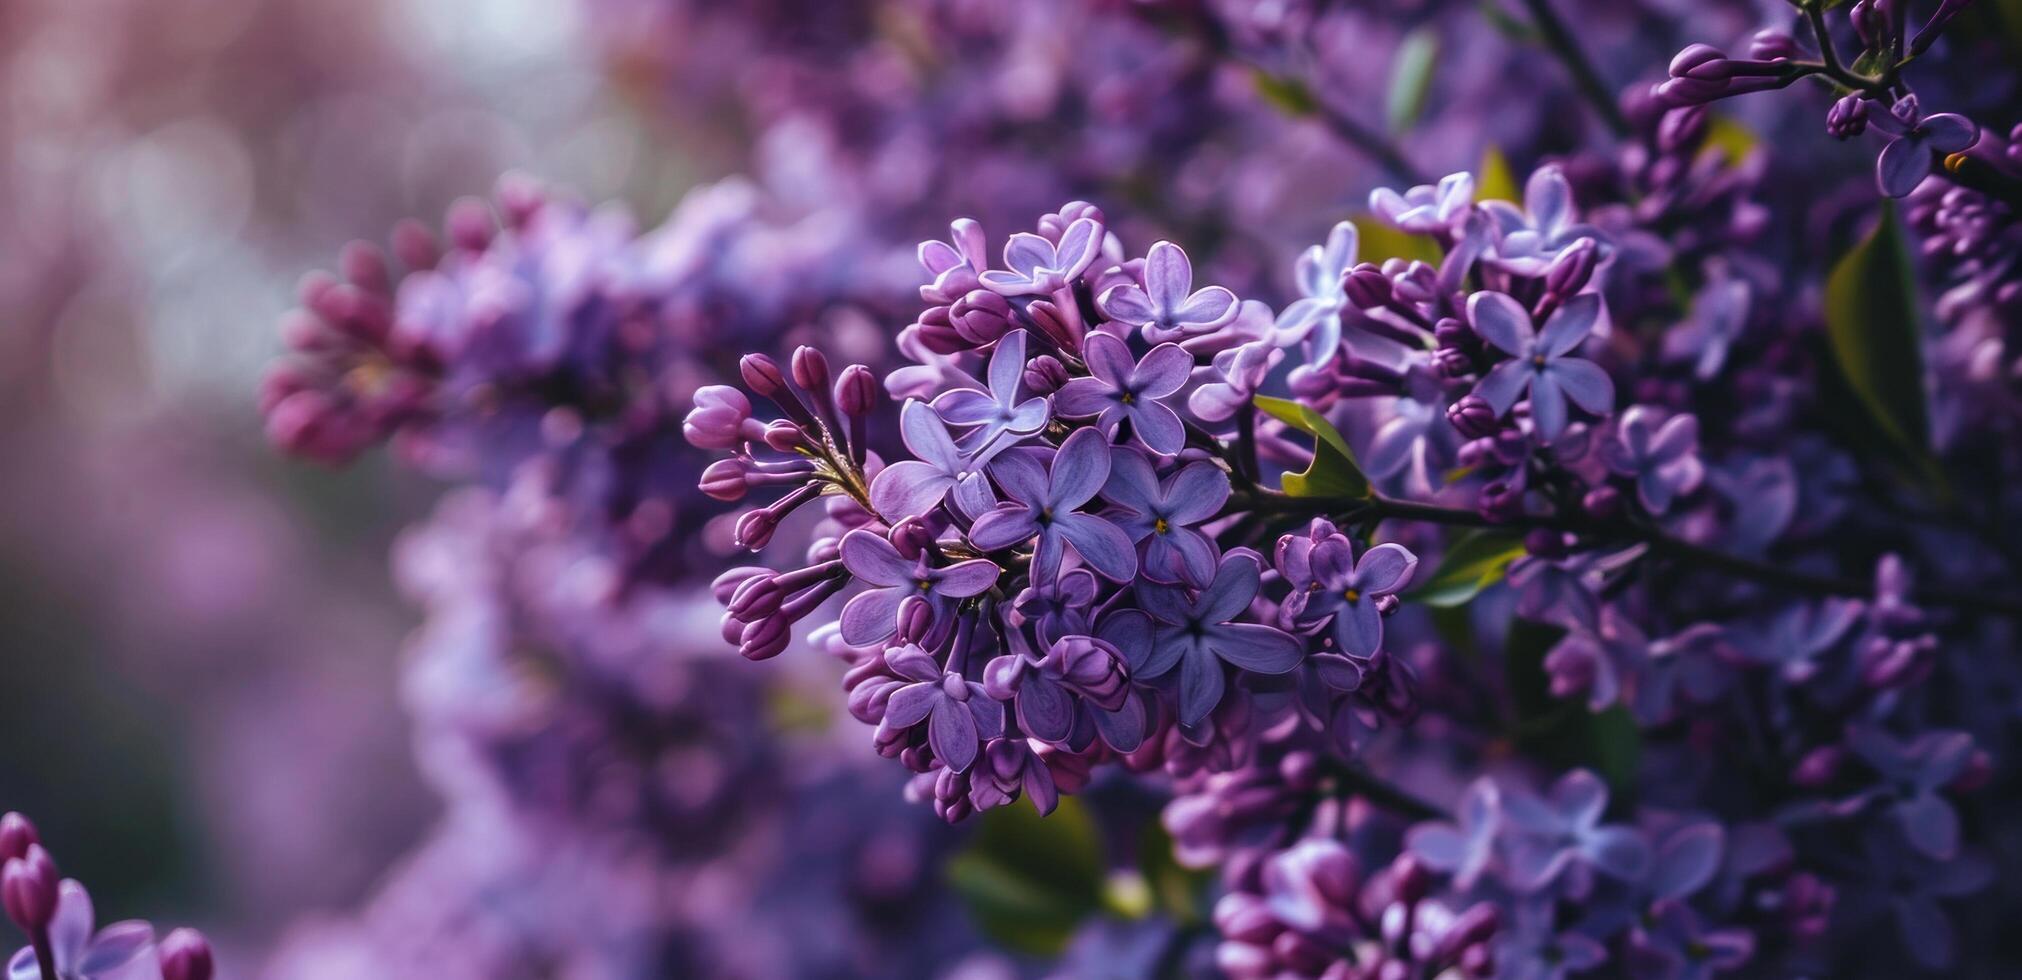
(1569, 325)
(1949, 132)
(871, 617)
(1108, 359)
(1168, 276)
(909, 705)
(1585, 383)
(1004, 527)
(1505, 383)
(1080, 469)
(1101, 544)
(1384, 569)
(952, 733)
(1195, 493)
(1548, 405)
(1501, 321)
(870, 557)
(1163, 371)
(1902, 166)
(1133, 484)
(1256, 648)
(1127, 303)
(964, 579)
(1045, 709)
(1235, 584)
(1201, 682)
(1159, 428)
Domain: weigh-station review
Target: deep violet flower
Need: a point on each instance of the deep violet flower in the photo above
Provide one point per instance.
(1162, 515)
(1045, 503)
(1906, 161)
(941, 469)
(1198, 634)
(1662, 459)
(1121, 390)
(1350, 590)
(1539, 363)
(959, 715)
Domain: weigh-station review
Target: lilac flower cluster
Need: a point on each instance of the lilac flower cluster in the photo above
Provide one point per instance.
(64, 940)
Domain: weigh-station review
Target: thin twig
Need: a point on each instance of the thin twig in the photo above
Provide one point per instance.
(1585, 76)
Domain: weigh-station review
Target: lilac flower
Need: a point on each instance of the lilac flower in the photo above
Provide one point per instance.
(1119, 391)
(1794, 640)
(998, 411)
(1528, 239)
(1561, 834)
(956, 263)
(910, 488)
(1162, 515)
(1044, 504)
(1351, 590)
(1664, 463)
(1673, 943)
(1316, 317)
(1719, 314)
(1044, 689)
(1199, 634)
(872, 616)
(1425, 209)
(1906, 161)
(1687, 860)
(1038, 266)
(1464, 847)
(1059, 606)
(1167, 307)
(1538, 362)
(1237, 374)
(959, 714)
(1916, 772)
(1889, 880)
(120, 951)
(1535, 947)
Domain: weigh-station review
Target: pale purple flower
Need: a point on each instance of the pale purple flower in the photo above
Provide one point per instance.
(1038, 266)
(120, 951)
(960, 716)
(1906, 161)
(1539, 363)
(1794, 640)
(1316, 317)
(1527, 239)
(1915, 773)
(1045, 504)
(1120, 390)
(1425, 209)
(1416, 442)
(1161, 515)
(997, 411)
(872, 616)
(1687, 861)
(1663, 460)
(912, 487)
(1238, 373)
(1199, 634)
(1167, 307)
(956, 263)
(1561, 833)
(1464, 847)
(1350, 590)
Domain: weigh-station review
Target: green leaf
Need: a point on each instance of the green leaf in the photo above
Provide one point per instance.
(1733, 140)
(1473, 562)
(1290, 95)
(1411, 78)
(1179, 893)
(1377, 241)
(1871, 321)
(1029, 881)
(1562, 732)
(1493, 180)
(1334, 472)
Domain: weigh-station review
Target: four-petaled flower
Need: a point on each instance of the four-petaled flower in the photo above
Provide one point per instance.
(1045, 505)
(872, 616)
(1906, 161)
(1349, 590)
(1464, 847)
(1038, 266)
(1316, 316)
(1562, 833)
(1167, 307)
(1663, 460)
(998, 411)
(913, 487)
(1917, 772)
(955, 263)
(122, 949)
(1538, 361)
(959, 715)
(1425, 209)
(1528, 239)
(1199, 634)
(1120, 390)
(1162, 515)
(1043, 690)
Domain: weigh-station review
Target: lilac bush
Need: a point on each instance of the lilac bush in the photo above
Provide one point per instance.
(1595, 567)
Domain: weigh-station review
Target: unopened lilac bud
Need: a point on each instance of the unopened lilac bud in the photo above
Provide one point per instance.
(28, 888)
(765, 639)
(415, 246)
(981, 317)
(1500, 500)
(1602, 503)
(1545, 543)
(1300, 770)
(1571, 268)
(856, 391)
(1848, 117)
(1702, 61)
(16, 834)
(912, 538)
(1366, 286)
(762, 375)
(1092, 667)
(810, 370)
(1819, 767)
(1771, 44)
(936, 330)
(1045, 375)
(1409, 878)
(1451, 362)
(724, 480)
(755, 528)
(757, 598)
(1387, 604)
(186, 955)
(1472, 416)
(1683, 129)
(916, 617)
(1699, 74)
(785, 436)
(1868, 24)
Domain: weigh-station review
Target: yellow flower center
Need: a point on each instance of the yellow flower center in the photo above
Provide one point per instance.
(1161, 526)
